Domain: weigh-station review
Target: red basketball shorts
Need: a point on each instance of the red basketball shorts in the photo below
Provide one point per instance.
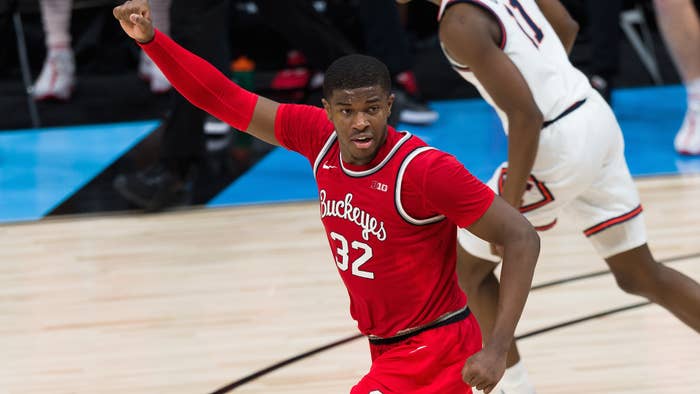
(428, 363)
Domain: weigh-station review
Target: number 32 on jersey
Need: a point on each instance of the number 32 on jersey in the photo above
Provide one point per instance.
(359, 250)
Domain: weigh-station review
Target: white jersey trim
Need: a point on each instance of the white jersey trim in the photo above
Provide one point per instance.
(358, 174)
(326, 147)
(397, 195)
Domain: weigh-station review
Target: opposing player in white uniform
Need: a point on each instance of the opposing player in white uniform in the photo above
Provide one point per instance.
(565, 153)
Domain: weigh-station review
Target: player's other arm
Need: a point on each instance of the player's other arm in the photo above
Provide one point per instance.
(564, 25)
(197, 80)
(503, 225)
(470, 36)
(449, 189)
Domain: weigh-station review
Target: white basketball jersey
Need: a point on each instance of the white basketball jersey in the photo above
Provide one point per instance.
(533, 46)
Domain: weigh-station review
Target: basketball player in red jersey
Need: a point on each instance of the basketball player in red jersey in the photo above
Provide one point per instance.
(390, 206)
(565, 154)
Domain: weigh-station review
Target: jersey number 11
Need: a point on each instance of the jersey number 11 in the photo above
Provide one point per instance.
(534, 33)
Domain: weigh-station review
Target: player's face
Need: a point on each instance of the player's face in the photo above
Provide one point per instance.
(360, 118)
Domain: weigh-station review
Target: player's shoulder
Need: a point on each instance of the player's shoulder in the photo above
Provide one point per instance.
(424, 157)
(305, 110)
(469, 31)
(308, 116)
(470, 14)
(302, 128)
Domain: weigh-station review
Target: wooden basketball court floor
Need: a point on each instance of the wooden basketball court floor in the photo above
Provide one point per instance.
(203, 301)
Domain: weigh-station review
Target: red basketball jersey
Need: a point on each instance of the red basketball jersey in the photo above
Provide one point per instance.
(393, 247)
(391, 225)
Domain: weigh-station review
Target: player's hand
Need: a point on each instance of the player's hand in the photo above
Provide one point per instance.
(135, 18)
(484, 369)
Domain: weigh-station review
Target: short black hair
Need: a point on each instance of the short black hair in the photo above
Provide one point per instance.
(356, 71)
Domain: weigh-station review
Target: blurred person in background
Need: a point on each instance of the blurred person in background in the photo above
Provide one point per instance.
(203, 26)
(604, 31)
(680, 27)
(386, 40)
(57, 78)
(321, 43)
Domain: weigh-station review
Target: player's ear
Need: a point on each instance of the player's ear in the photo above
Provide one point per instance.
(327, 107)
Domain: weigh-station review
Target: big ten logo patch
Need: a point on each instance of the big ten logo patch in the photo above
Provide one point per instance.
(379, 186)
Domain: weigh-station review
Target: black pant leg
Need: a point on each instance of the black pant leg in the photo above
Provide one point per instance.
(201, 27)
(603, 19)
(306, 30)
(385, 38)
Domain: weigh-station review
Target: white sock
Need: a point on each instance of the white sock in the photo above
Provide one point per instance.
(693, 90)
(59, 50)
(55, 16)
(516, 380)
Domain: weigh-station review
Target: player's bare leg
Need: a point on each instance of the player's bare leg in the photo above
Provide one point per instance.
(477, 279)
(680, 25)
(636, 272)
(679, 22)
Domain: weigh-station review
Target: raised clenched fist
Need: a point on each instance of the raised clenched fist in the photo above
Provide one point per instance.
(135, 18)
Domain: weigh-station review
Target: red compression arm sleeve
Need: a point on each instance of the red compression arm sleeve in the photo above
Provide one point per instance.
(201, 83)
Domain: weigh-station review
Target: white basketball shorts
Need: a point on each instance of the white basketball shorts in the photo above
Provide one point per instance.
(580, 172)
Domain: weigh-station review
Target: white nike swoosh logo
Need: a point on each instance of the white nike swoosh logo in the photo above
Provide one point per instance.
(417, 349)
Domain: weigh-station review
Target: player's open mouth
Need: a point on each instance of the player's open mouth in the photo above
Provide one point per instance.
(362, 142)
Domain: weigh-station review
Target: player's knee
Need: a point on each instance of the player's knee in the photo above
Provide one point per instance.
(637, 283)
(627, 283)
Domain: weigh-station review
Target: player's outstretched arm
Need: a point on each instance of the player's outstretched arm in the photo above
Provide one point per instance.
(197, 80)
(503, 225)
